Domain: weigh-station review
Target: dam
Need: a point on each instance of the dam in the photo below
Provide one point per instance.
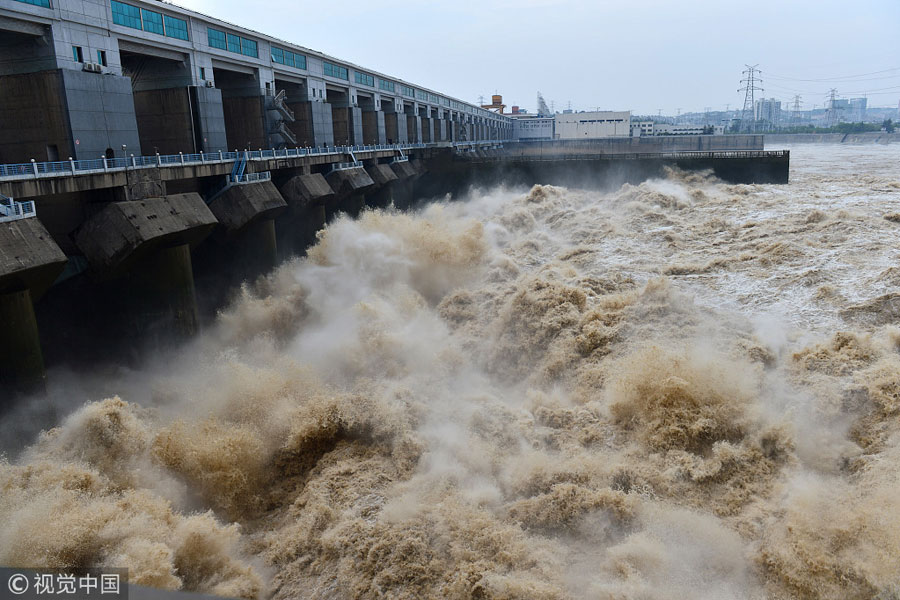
(153, 158)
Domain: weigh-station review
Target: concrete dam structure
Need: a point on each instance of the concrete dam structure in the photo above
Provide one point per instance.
(153, 158)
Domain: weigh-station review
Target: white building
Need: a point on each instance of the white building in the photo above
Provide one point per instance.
(648, 128)
(588, 125)
(641, 128)
(533, 127)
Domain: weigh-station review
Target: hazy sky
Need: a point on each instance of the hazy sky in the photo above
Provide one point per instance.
(639, 55)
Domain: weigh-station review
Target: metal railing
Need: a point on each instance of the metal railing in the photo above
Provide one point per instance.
(251, 177)
(67, 168)
(343, 166)
(10, 210)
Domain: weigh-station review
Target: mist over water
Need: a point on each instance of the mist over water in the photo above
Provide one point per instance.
(682, 389)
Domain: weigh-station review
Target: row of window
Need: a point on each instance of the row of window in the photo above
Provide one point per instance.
(232, 43)
(336, 71)
(44, 3)
(148, 20)
(363, 79)
(387, 86)
(408, 91)
(288, 58)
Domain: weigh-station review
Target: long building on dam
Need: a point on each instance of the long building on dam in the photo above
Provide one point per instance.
(87, 78)
(153, 158)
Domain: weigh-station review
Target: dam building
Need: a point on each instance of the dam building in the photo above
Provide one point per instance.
(91, 78)
(153, 159)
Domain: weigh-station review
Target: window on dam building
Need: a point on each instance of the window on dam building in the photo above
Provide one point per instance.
(288, 58)
(176, 28)
(363, 79)
(149, 21)
(387, 86)
(44, 3)
(153, 21)
(232, 43)
(336, 71)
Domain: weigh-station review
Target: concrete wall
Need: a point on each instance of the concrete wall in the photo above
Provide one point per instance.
(639, 145)
(244, 122)
(373, 125)
(165, 121)
(209, 119)
(873, 137)
(33, 117)
(101, 113)
(313, 125)
(341, 122)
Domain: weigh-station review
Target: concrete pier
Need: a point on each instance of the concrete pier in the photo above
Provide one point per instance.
(384, 178)
(246, 214)
(350, 187)
(307, 197)
(146, 244)
(21, 360)
(165, 302)
(29, 263)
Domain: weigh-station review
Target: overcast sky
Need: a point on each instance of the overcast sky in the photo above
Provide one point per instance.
(639, 55)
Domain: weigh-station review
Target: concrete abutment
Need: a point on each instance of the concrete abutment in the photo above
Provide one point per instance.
(29, 263)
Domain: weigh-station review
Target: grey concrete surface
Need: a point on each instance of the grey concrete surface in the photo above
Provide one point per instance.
(29, 258)
(240, 205)
(124, 231)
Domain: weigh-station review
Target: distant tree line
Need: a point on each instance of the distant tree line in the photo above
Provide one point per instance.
(844, 128)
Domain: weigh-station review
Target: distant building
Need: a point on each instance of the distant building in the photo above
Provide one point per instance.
(533, 127)
(858, 108)
(588, 125)
(641, 128)
(839, 104)
(767, 110)
(648, 128)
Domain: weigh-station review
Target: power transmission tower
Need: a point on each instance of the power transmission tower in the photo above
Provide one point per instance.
(832, 108)
(795, 116)
(750, 81)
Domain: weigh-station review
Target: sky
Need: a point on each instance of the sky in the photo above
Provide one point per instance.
(638, 55)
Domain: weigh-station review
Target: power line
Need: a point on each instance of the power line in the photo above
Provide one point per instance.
(826, 79)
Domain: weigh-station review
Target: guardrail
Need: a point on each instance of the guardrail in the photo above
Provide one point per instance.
(68, 168)
(10, 210)
(251, 177)
(343, 166)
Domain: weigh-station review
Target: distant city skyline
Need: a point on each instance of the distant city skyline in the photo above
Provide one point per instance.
(643, 56)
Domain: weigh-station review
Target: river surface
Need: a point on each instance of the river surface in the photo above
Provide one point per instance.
(682, 389)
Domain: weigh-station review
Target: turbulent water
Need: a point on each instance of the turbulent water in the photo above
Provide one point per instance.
(682, 389)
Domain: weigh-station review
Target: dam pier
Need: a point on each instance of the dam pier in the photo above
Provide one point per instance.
(153, 158)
